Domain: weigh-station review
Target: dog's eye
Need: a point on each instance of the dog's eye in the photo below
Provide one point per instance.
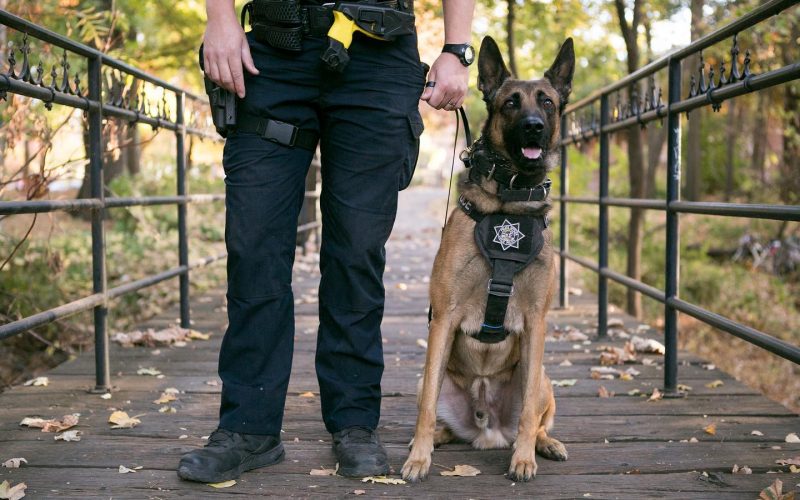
(509, 104)
(548, 104)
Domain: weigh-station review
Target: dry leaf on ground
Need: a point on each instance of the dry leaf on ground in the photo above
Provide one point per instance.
(783, 461)
(68, 436)
(359, 492)
(165, 398)
(569, 382)
(322, 472)
(775, 492)
(792, 438)
(224, 484)
(121, 420)
(51, 425)
(604, 393)
(152, 371)
(382, 480)
(656, 395)
(616, 356)
(422, 343)
(8, 492)
(173, 335)
(566, 362)
(126, 470)
(741, 470)
(308, 394)
(715, 384)
(195, 335)
(107, 395)
(634, 392)
(756, 433)
(38, 382)
(14, 463)
(641, 344)
(462, 471)
(710, 429)
(684, 388)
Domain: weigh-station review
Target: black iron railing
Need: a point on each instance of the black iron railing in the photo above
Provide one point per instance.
(115, 90)
(595, 117)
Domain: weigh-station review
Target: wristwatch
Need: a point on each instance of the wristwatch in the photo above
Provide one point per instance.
(464, 51)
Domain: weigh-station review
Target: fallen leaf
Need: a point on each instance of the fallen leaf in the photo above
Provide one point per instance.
(106, 395)
(38, 382)
(656, 395)
(632, 371)
(165, 398)
(569, 382)
(51, 425)
(625, 376)
(792, 438)
(224, 484)
(648, 362)
(715, 384)
(382, 480)
(693, 440)
(710, 429)
(612, 355)
(575, 336)
(422, 343)
(359, 492)
(121, 420)
(174, 335)
(402, 286)
(566, 362)
(775, 492)
(634, 392)
(195, 335)
(8, 492)
(756, 433)
(612, 322)
(14, 463)
(167, 409)
(604, 393)
(183, 436)
(212, 383)
(152, 371)
(462, 471)
(794, 469)
(783, 461)
(125, 470)
(308, 394)
(647, 345)
(684, 388)
(69, 436)
(322, 472)
(741, 470)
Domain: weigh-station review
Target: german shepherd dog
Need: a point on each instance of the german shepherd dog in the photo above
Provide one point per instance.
(493, 395)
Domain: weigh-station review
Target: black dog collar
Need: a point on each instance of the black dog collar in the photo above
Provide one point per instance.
(483, 162)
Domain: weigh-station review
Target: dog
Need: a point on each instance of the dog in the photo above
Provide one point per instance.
(495, 395)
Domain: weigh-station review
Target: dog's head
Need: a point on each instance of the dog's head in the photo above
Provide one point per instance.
(525, 115)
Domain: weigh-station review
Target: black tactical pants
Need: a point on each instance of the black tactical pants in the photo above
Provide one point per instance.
(369, 126)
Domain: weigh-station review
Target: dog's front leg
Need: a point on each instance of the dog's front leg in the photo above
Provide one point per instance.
(440, 341)
(523, 461)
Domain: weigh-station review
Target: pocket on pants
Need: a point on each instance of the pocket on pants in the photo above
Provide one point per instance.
(415, 127)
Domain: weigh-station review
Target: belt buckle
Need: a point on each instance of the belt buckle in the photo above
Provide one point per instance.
(280, 132)
(505, 291)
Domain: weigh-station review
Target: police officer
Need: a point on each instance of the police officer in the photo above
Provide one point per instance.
(367, 120)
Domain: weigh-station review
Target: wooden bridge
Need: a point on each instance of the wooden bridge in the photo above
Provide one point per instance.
(620, 447)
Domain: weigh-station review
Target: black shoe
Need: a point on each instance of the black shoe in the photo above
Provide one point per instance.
(360, 453)
(228, 454)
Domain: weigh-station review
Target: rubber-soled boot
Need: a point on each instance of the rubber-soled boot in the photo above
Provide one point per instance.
(228, 454)
(360, 453)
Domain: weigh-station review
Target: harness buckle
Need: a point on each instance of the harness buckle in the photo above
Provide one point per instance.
(499, 289)
(280, 132)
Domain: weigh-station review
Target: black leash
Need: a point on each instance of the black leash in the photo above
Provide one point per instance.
(461, 117)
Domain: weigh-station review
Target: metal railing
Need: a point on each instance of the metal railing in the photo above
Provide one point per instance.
(582, 122)
(115, 90)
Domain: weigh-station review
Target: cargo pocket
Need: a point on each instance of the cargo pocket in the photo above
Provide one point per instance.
(412, 152)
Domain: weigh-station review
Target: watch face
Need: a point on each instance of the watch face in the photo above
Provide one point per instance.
(469, 54)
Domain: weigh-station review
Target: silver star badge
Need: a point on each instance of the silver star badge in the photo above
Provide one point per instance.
(508, 235)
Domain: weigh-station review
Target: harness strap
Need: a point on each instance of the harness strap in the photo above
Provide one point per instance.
(281, 133)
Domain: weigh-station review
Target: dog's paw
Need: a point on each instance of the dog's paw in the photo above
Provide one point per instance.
(523, 466)
(416, 467)
(552, 449)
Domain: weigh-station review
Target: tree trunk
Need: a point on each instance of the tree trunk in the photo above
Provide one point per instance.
(3, 55)
(760, 139)
(656, 138)
(512, 59)
(789, 180)
(134, 157)
(693, 130)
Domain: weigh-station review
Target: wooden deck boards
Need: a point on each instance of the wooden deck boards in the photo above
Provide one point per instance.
(620, 447)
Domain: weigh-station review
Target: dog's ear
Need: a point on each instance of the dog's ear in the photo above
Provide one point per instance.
(560, 73)
(492, 71)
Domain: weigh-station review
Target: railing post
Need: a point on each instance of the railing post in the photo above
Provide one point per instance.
(563, 236)
(95, 123)
(183, 242)
(673, 234)
(602, 285)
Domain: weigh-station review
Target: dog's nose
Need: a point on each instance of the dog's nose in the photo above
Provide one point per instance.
(533, 124)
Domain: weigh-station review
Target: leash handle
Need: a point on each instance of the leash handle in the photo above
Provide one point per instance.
(467, 133)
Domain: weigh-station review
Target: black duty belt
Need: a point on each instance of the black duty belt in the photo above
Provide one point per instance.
(282, 133)
(509, 242)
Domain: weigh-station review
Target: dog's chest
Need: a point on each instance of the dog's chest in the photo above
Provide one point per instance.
(471, 357)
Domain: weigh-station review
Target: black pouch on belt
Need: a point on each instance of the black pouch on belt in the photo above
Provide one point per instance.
(278, 23)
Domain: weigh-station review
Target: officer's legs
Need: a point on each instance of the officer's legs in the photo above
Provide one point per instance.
(264, 192)
(365, 144)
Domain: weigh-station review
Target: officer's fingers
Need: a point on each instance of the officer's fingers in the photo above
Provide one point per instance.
(225, 78)
(212, 71)
(429, 89)
(235, 66)
(247, 58)
(438, 99)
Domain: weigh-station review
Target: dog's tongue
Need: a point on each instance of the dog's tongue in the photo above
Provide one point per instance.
(531, 153)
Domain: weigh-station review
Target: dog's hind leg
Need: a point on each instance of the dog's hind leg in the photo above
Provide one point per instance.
(443, 435)
(547, 446)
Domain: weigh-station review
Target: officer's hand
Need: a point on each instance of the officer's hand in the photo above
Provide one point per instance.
(225, 51)
(451, 79)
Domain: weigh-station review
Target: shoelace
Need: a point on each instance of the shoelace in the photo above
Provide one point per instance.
(219, 436)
